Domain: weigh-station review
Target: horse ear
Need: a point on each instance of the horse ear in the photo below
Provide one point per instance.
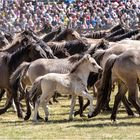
(87, 56)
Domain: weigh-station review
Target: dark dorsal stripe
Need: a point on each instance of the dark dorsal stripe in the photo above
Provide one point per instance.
(126, 35)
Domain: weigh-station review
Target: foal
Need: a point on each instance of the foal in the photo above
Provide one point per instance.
(73, 83)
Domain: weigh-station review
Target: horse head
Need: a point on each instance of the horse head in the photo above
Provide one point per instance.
(93, 66)
(35, 51)
(46, 48)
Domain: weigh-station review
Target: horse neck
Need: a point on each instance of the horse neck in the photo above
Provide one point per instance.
(82, 72)
(17, 58)
(11, 48)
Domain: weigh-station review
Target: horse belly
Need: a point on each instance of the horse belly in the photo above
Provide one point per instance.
(64, 88)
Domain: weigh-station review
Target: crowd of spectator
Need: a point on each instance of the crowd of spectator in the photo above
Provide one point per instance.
(17, 15)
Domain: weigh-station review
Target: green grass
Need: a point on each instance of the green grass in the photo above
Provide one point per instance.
(58, 126)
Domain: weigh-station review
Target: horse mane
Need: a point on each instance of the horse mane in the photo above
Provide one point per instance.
(98, 55)
(75, 58)
(51, 35)
(16, 40)
(96, 35)
(56, 47)
(103, 44)
(126, 35)
(77, 65)
(115, 28)
(63, 34)
(76, 46)
(8, 36)
(14, 57)
(136, 37)
(117, 32)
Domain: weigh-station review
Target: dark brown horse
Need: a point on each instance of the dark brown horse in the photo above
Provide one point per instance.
(45, 29)
(48, 37)
(66, 48)
(67, 34)
(123, 36)
(9, 62)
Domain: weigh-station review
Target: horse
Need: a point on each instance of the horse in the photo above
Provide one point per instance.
(67, 34)
(28, 72)
(125, 68)
(123, 36)
(66, 48)
(101, 57)
(45, 29)
(73, 83)
(9, 62)
(48, 37)
(136, 37)
(3, 41)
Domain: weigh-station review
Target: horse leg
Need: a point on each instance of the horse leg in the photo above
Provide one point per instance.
(127, 106)
(132, 96)
(54, 97)
(8, 102)
(82, 108)
(121, 91)
(27, 100)
(117, 102)
(80, 111)
(94, 91)
(85, 94)
(73, 101)
(2, 94)
(37, 103)
(17, 103)
(44, 100)
(38, 116)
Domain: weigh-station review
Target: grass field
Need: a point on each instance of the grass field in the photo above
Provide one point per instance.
(58, 126)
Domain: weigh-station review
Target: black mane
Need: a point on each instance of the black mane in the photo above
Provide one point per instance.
(22, 54)
(63, 34)
(77, 65)
(76, 46)
(126, 35)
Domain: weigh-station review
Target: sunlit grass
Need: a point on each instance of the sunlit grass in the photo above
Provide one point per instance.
(58, 126)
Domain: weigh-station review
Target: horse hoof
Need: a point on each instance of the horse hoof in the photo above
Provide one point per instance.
(54, 100)
(39, 118)
(90, 116)
(114, 121)
(20, 116)
(46, 119)
(76, 113)
(26, 118)
(50, 103)
(136, 115)
(108, 109)
(70, 119)
(83, 115)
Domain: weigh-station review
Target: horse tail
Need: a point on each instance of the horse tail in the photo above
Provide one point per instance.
(106, 82)
(35, 90)
(18, 74)
(14, 80)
